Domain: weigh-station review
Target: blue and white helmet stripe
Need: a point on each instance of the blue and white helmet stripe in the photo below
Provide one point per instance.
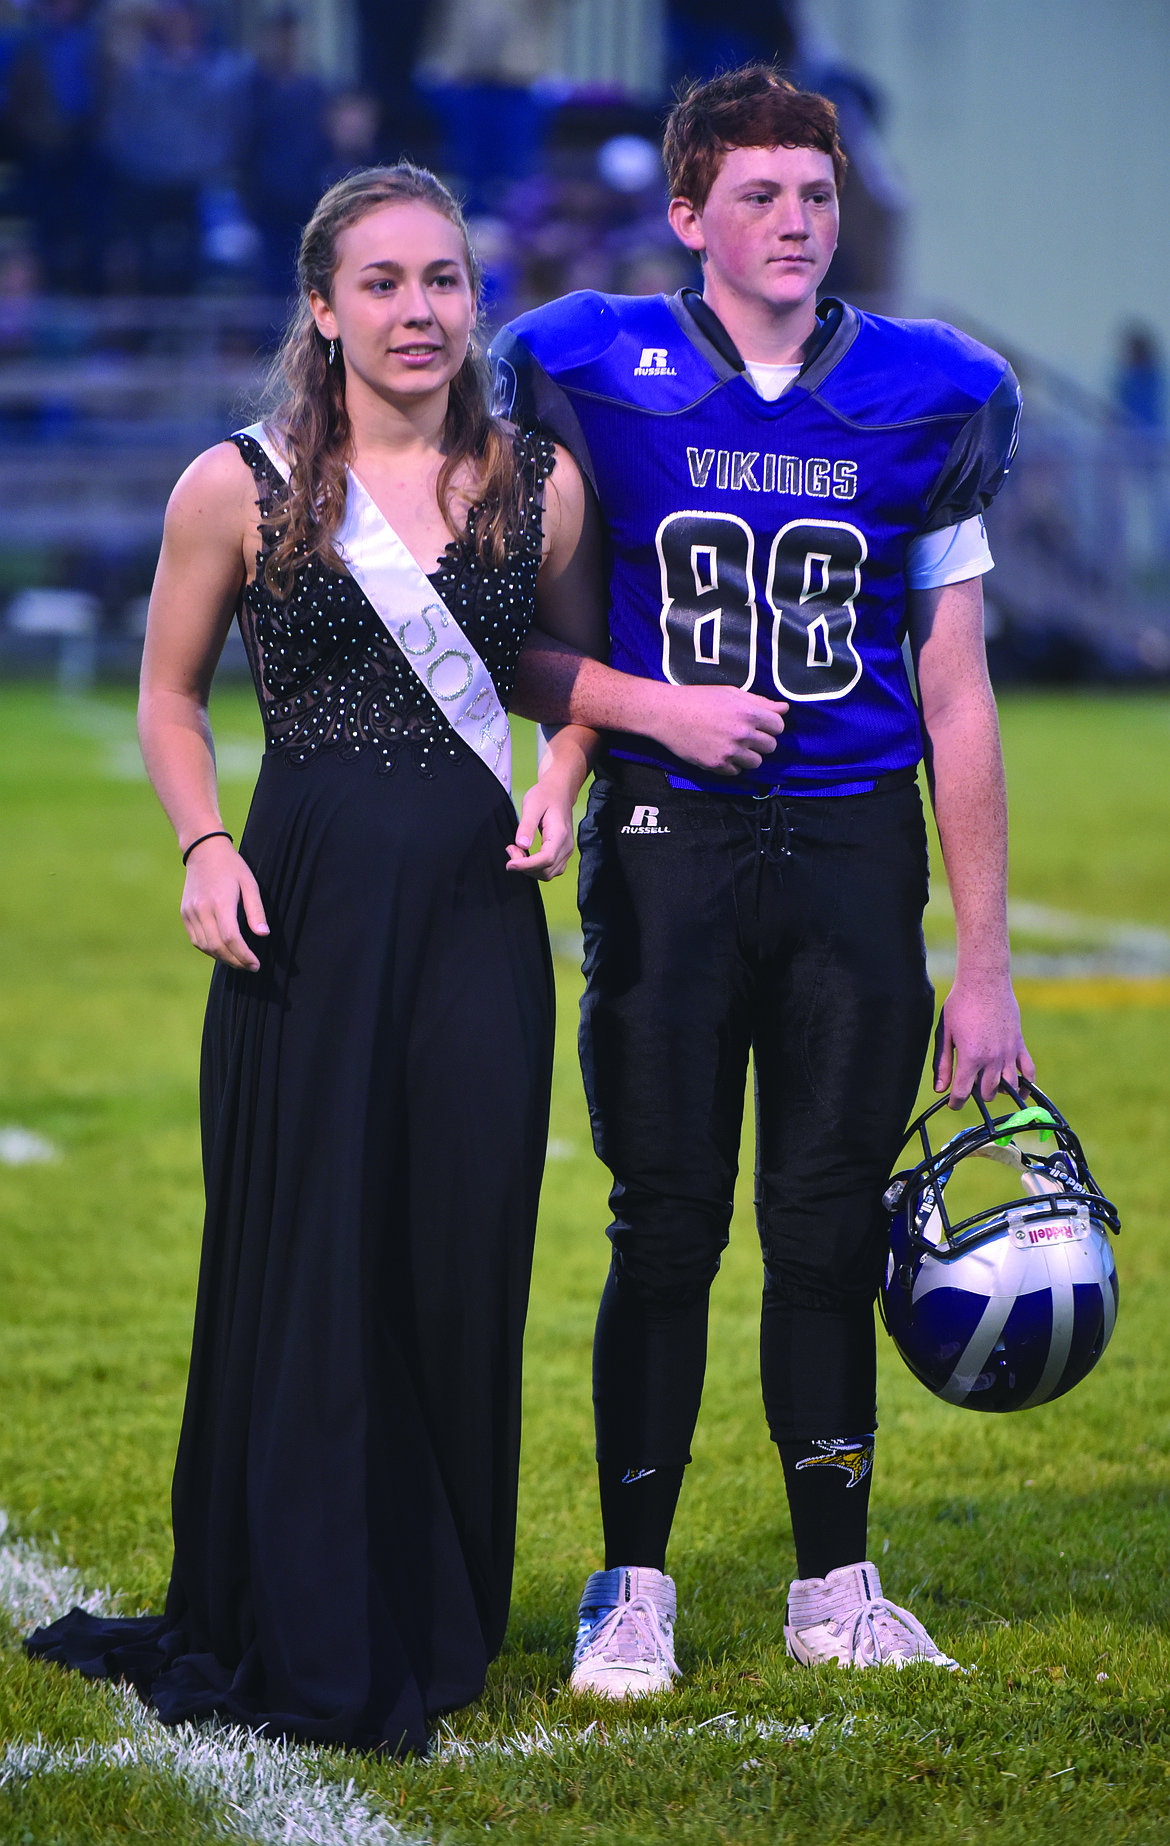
(1011, 1307)
(1002, 1273)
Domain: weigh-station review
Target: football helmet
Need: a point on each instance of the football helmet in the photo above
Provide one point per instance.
(1012, 1306)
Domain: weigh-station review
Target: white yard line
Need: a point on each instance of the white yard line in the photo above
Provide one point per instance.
(1104, 945)
(237, 759)
(35, 1588)
(542, 1741)
(20, 1147)
(272, 1793)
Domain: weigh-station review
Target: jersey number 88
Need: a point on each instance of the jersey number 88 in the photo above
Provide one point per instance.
(710, 625)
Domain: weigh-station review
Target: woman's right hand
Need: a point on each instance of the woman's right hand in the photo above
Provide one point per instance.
(218, 884)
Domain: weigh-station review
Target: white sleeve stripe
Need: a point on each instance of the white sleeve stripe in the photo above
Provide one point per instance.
(952, 555)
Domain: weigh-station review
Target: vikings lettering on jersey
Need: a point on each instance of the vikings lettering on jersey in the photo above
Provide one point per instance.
(763, 544)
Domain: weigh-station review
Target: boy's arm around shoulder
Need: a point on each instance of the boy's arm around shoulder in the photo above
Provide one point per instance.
(568, 598)
(562, 679)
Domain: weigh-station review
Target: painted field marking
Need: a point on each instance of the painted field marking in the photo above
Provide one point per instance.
(1105, 947)
(1094, 993)
(20, 1147)
(562, 1739)
(237, 759)
(272, 1792)
(269, 1792)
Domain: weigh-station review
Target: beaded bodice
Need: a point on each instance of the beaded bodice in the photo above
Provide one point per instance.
(329, 676)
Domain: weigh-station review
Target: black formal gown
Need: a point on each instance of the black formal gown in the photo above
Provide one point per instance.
(374, 1107)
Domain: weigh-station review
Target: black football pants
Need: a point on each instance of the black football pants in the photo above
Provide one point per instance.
(715, 925)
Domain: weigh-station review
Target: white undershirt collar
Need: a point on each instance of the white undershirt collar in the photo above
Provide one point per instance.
(771, 381)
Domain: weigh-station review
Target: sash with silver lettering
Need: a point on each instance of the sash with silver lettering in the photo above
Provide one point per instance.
(415, 615)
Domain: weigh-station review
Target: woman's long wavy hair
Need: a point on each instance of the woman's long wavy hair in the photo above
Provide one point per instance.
(305, 404)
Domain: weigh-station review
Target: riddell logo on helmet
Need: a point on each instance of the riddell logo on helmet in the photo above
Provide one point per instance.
(1053, 1230)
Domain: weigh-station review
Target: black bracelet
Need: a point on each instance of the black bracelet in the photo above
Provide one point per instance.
(220, 833)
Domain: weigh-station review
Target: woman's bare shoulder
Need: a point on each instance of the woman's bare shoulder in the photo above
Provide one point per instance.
(216, 488)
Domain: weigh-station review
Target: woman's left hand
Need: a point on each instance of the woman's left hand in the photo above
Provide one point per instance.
(547, 809)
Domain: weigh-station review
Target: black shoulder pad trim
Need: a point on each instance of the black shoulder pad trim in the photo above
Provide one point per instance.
(980, 457)
(525, 395)
(840, 326)
(835, 332)
(705, 330)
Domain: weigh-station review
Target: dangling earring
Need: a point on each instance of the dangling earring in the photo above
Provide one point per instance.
(332, 351)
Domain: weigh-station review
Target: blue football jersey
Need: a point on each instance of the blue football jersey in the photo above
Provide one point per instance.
(763, 545)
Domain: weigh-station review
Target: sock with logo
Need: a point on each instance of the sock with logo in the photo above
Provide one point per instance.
(637, 1512)
(828, 1484)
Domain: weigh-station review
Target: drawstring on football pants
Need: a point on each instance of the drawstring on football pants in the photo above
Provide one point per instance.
(772, 834)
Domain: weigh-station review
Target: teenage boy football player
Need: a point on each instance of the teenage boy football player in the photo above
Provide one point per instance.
(789, 490)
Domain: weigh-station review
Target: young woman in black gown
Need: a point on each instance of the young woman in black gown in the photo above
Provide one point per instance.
(377, 1050)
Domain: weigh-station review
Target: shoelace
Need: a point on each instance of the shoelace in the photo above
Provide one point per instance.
(878, 1622)
(629, 1631)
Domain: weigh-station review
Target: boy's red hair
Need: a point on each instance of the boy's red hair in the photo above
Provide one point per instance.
(753, 106)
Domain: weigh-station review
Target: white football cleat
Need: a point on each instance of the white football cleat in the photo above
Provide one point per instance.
(625, 1634)
(844, 1618)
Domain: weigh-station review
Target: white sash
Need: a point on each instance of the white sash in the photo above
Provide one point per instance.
(415, 615)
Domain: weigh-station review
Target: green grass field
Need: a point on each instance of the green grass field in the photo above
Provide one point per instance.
(1035, 1547)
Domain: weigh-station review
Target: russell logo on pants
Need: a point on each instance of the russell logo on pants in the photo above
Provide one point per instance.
(644, 820)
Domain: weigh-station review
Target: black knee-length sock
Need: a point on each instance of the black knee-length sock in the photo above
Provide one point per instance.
(637, 1511)
(828, 1484)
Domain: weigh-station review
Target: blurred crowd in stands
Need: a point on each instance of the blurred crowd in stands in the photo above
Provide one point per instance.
(144, 152)
(159, 157)
(146, 155)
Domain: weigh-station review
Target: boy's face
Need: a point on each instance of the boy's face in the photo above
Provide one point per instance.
(769, 226)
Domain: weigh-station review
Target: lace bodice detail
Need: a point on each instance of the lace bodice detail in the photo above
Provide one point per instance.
(329, 676)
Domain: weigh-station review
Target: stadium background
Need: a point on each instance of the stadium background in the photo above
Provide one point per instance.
(1010, 170)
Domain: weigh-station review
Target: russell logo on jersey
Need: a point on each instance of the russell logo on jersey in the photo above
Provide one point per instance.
(654, 363)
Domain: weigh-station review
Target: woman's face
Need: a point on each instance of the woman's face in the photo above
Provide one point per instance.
(403, 308)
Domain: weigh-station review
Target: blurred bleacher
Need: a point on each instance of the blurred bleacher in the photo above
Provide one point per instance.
(106, 395)
(102, 405)
(1081, 538)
